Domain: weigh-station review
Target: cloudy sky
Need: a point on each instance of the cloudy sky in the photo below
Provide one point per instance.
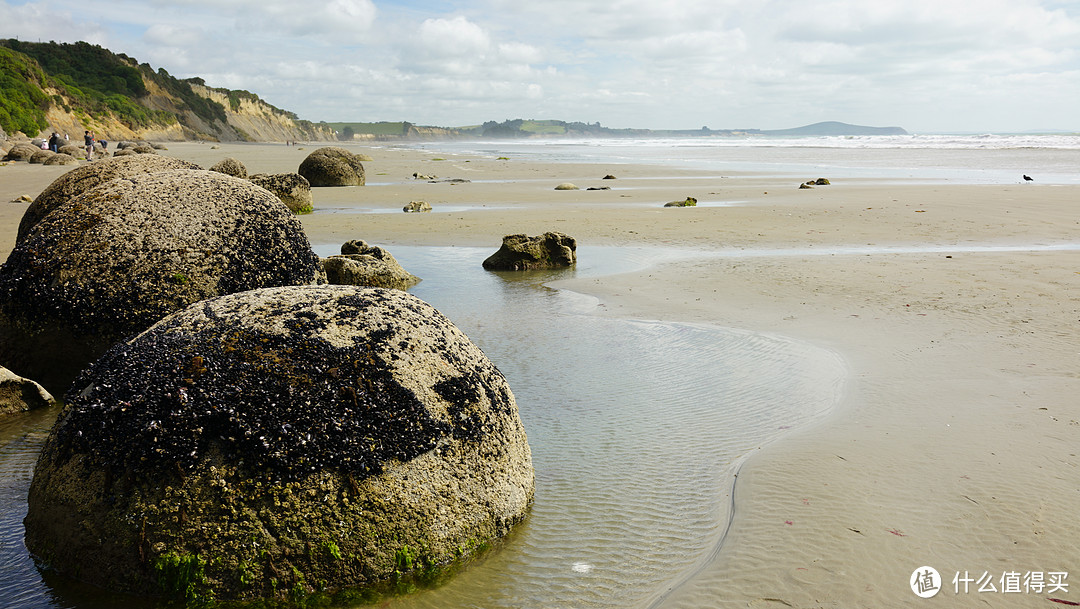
(925, 65)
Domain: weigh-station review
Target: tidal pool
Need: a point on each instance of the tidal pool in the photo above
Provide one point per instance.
(637, 428)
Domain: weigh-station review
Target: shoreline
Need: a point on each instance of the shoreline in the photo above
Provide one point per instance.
(953, 445)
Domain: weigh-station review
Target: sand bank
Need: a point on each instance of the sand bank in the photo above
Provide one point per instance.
(955, 444)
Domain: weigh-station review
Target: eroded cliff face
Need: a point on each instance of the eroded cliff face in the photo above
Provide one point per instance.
(109, 129)
(255, 121)
(251, 120)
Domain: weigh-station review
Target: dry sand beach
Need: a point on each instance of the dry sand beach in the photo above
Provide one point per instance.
(955, 306)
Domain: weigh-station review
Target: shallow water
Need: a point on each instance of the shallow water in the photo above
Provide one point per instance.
(636, 429)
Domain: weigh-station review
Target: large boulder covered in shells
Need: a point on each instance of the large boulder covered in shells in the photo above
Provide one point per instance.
(78, 181)
(367, 265)
(522, 252)
(115, 259)
(332, 166)
(279, 440)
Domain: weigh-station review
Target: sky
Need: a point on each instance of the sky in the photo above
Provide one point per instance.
(929, 66)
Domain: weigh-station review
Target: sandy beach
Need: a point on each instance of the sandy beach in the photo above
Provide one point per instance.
(955, 307)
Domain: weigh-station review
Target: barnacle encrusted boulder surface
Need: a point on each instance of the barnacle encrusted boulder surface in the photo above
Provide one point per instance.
(332, 166)
(82, 179)
(230, 166)
(521, 252)
(115, 259)
(280, 440)
(292, 188)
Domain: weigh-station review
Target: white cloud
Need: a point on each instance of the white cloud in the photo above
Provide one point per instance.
(163, 34)
(932, 64)
(457, 37)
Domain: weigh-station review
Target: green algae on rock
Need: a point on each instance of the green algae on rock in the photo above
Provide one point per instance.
(278, 442)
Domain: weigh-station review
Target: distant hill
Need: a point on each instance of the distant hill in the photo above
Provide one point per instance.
(533, 129)
(72, 87)
(835, 128)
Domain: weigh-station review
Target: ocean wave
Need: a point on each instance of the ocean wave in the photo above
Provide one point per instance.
(914, 141)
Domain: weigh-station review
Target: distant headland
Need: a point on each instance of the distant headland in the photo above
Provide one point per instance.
(69, 88)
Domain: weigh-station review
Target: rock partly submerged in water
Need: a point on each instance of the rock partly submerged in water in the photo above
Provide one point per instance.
(118, 257)
(275, 441)
(522, 252)
(18, 394)
(361, 264)
(332, 166)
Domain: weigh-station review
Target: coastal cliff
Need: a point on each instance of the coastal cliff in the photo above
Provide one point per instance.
(69, 88)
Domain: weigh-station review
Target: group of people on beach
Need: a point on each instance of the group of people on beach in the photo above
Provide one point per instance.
(88, 143)
(54, 141)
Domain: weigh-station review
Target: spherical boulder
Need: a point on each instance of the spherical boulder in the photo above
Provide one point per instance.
(332, 166)
(522, 252)
(230, 166)
(292, 188)
(268, 443)
(71, 149)
(61, 159)
(78, 181)
(21, 152)
(39, 157)
(115, 259)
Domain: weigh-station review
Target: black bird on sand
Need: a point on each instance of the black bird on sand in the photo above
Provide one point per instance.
(1028, 178)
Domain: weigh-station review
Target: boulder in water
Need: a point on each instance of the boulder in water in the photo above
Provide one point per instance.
(266, 444)
(522, 252)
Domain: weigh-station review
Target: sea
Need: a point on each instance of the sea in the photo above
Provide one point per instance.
(637, 427)
(965, 159)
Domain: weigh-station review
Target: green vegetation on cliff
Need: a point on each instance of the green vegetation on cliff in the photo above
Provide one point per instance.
(92, 79)
(22, 101)
(93, 84)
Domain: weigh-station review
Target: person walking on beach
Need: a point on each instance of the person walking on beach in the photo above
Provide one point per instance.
(88, 141)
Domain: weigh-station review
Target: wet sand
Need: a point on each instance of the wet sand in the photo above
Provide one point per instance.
(955, 443)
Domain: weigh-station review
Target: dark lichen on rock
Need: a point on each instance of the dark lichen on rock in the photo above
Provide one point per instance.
(289, 439)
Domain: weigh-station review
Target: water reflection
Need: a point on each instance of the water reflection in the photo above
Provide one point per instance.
(635, 427)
